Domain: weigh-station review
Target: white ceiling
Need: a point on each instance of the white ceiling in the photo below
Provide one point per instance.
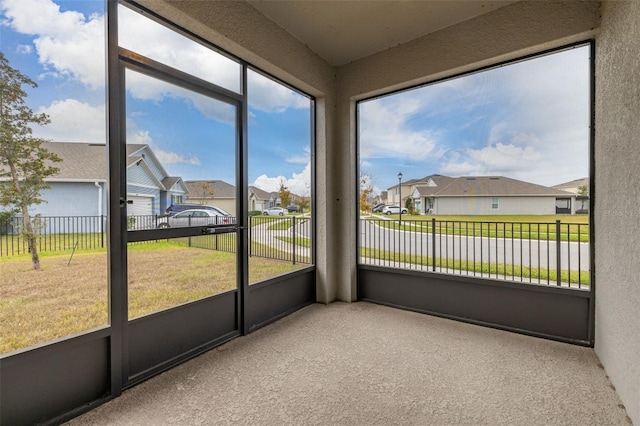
(342, 31)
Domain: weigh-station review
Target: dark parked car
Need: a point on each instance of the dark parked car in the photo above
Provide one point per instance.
(378, 208)
(292, 208)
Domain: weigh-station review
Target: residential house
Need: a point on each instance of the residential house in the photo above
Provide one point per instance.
(215, 193)
(486, 195)
(260, 200)
(78, 189)
(581, 188)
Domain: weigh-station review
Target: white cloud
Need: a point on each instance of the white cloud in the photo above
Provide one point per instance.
(136, 136)
(143, 87)
(67, 42)
(300, 158)
(500, 159)
(161, 44)
(166, 157)
(73, 121)
(25, 49)
(384, 132)
(267, 95)
(298, 183)
(71, 46)
(529, 120)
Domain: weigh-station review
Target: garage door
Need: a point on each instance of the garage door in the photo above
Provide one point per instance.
(139, 206)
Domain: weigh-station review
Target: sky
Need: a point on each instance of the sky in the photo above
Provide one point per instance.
(62, 48)
(527, 121)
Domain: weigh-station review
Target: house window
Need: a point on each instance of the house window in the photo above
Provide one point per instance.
(494, 203)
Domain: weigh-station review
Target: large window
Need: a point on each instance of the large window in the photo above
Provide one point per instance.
(280, 178)
(488, 167)
(63, 51)
(182, 115)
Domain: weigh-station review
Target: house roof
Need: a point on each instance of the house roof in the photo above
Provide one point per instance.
(80, 161)
(88, 161)
(480, 186)
(572, 184)
(169, 181)
(437, 179)
(201, 189)
(259, 193)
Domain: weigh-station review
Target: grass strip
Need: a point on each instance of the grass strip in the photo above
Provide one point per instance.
(534, 275)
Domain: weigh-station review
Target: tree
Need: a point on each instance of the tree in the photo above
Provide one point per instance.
(206, 191)
(366, 188)
(365, 181)
(583, 190)
(304, 203)
(284, 194)
(410, 206)
(24, 162)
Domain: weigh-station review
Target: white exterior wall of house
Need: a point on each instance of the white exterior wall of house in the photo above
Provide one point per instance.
(483, 205)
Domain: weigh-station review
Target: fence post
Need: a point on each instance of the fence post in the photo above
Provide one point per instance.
(558, 268)
(433, 244)
(102, 231)
(294, 239)
(250, 233)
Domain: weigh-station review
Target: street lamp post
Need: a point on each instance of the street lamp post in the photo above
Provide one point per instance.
(400, 194)
(400, 205)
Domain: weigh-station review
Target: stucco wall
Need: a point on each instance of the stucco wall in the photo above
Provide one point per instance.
(617, 199)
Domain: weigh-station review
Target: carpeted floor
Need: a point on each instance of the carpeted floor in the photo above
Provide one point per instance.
(364, 364)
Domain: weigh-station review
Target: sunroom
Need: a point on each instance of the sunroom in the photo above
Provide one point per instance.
(275, 95)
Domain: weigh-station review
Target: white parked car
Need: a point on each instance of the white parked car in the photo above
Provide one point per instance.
(393, 210)
(198, 217)
(275, 211)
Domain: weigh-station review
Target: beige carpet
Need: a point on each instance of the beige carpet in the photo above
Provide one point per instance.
(363, 364)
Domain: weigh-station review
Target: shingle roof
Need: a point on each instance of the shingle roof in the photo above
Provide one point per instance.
(80, 161)
(438, 179)
(259, 193)
(169, 181)
(573, 184)
(210, 189)
(491, 186)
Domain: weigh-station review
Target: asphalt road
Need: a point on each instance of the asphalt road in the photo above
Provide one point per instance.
(528, 253)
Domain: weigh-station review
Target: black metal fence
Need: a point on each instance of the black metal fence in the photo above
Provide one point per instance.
(282, 238)
(543, 253)
(57, 233)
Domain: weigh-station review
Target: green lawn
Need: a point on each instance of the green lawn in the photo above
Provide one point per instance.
(300, 241)
(518, 273)
(66, 297)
